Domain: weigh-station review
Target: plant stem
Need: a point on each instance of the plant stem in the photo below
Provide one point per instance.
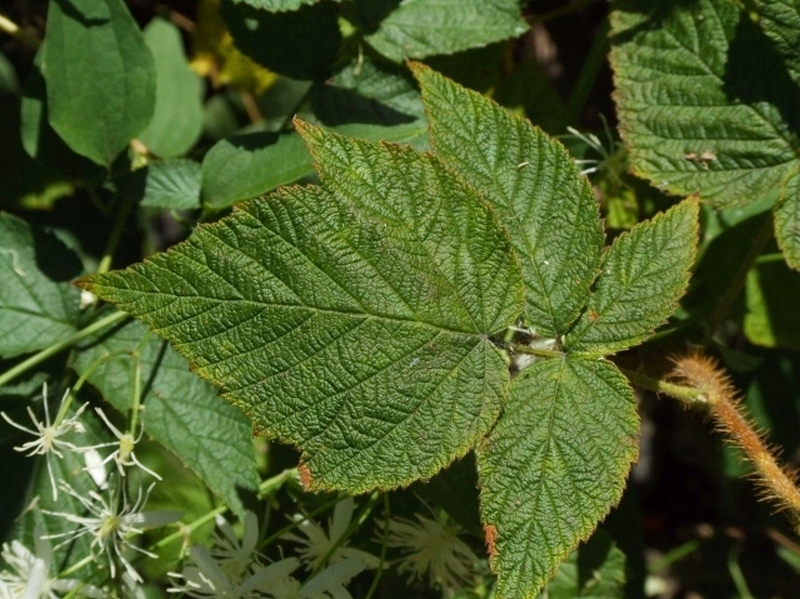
(688, 395)
(116, 233)
(587, 76)
(384, 544)
(49, 352)
(14, 30)
(737, 282)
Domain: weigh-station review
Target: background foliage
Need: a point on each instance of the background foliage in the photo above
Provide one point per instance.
(456, 330)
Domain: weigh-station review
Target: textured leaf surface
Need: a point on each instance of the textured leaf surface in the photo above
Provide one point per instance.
(178, 114)
(540, 196)
(644, 274)
(182, 411)
(553, 466)
(705, 101)
(100, 76)
(351, 321)
(420, 28)
(302, 44)
(38, 306)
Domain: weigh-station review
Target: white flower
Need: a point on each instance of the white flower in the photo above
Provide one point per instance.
(112, 521)
(123, 456)
(205, 578)
(48, 434)
(432, 547)
(319, 546)
(30, 577)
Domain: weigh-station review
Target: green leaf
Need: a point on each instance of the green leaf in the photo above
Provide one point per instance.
(38, 307)
(181, 411)
(536, 187)
(707, 101)
(596, 570)
(278, 5)
(39, 139)
(423, 28)
(245, 165)
(172, 184)
(178, 114)
(770, 320)
(553, 466)
(644, 274)
(302, 44)
(351, 320)
(100, 76)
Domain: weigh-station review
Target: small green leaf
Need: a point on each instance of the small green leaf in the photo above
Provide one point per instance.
(538, 191)
(427, 27)
(553, 466)
(245, 165)
(302, 44)
(780, 20)
(178, 115)
(181, 411)
(787, 221)
(644, 274)
(770, 320)
(38, 307)
(172, 184)
(595, 570)
(351, 320)
(278, 5)
(100, 76)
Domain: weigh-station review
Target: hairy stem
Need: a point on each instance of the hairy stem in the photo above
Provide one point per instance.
(777, 484)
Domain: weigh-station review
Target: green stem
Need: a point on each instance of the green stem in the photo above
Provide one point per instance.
(116, 233)
(687, 395)
(51, 351)
(384, 544)
(734, 288)
(587, 76)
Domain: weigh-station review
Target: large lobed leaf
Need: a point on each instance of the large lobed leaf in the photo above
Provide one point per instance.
(707, 101)
(352, 320)
(536, 187)
(553, 466)
(38, 306)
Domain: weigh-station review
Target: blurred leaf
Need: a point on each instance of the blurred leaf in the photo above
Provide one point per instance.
(172, 184)
(552, 467)
(278, 5)
(177, 118)
(302, 44)
(39, 139)
(400, 30)
(97, 105)
(214, 54)
(38, 306)
(181, 411)
(595, 570)
(770, 320)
